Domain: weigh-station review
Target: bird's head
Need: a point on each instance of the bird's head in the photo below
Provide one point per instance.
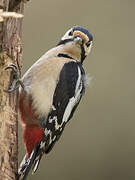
(77, 42)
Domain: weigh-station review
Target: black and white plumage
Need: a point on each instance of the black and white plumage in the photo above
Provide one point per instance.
(65, 93)
(67, 96)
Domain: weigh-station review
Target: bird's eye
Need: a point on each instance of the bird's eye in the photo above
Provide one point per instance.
(88, 44)
(70, 33)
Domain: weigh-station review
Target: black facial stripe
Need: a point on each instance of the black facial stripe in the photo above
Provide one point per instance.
(64, 41)
(82, 53)
(64, 55)
(88, 44)
(70, 33)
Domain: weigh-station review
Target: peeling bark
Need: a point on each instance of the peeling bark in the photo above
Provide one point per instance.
(10, 53)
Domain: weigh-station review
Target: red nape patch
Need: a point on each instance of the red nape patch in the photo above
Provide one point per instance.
(32, 134)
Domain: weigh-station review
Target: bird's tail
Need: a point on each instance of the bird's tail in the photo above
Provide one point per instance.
(28, 163)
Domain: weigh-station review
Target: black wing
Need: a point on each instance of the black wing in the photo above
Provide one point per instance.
(68, 93)
(66, 98)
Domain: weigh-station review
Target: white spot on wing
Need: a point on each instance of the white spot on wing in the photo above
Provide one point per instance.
(48, 132)
(42, 144)
(53, 107)
(54, 138)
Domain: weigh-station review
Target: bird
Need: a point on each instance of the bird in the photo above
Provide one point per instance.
(49, 94)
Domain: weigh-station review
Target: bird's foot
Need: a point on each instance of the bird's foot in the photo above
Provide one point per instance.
(15, 80)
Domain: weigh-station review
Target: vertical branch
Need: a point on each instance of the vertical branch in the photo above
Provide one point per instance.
(10, 53)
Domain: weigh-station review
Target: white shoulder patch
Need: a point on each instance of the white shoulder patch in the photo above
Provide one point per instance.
(73, 101)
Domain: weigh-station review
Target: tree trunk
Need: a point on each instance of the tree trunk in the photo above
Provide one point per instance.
(10, 53)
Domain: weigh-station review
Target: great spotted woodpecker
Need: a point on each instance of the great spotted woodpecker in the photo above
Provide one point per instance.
(52, 89)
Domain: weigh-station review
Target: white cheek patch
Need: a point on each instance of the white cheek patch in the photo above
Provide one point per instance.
(66, 36)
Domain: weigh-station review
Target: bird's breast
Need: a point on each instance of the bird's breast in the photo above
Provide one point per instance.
(43, 83)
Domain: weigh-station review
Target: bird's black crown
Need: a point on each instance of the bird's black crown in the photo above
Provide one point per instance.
(84, 30)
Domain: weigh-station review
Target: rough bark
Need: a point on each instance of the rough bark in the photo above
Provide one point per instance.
(10, 53)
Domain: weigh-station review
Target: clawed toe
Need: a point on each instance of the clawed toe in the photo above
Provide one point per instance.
(15, 81)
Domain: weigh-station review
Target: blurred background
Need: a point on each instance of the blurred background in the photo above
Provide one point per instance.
(99, 141)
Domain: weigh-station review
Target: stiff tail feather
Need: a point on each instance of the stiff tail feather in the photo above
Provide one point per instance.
(27, 164)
